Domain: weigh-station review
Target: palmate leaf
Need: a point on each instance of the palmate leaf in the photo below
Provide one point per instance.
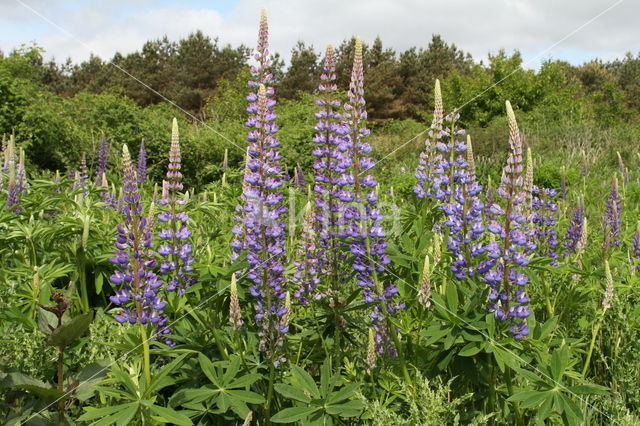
(303, 380)
(169, 415)
(292, 414)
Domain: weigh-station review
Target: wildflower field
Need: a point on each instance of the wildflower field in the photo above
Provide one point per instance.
(318, 273)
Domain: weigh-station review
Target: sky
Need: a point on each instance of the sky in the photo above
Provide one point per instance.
(573, 30)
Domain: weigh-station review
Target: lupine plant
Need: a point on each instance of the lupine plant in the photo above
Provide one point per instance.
(468, 311)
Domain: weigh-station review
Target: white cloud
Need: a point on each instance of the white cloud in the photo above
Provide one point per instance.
(478, 27)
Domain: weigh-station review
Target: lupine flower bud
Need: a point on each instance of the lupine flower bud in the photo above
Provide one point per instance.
(103, 158)
(424, 295)
(142, 164)
(372, 354)
(235, 315)
(471, 164)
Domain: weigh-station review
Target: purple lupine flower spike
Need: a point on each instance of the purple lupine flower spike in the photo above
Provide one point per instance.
(103, 158)
(142, 164)
(81, 176)
(331, 181)
(139, 287)
(636, 246)
(105, 195)
(307, 274)
(430, 156)
(575, 230)
(544, 221)
(363, 228)
(612, 216)
(175, 249)
(506, 255)
(13, 186)
(262, 230)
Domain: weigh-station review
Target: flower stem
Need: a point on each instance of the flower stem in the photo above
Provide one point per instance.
(146, 356)
(594, 333)
(267, 404)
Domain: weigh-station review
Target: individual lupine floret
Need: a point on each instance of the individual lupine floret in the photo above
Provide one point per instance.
(430, 156)
(103, 159)
(307, 274)
(506, 254)
(262, 231)
(364, 229)
(142, 164)
(139, 293)
(332, 161)
(612, 216)
(175, 248)
(575, 230)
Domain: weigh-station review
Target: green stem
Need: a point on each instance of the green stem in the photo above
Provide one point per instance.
(516, 408)
(547, 297)
(146, 356)
(221, 348)
(61, 384)
(267, 404)
(594, 335)
(492, 383)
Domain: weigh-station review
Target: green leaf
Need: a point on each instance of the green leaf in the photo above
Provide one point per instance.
(243, 381)
(345, 393)
(589, 388)
(93, 413)
(47, 321)
(209, 370)
(193, 396)
(246, 396)
(452, 297)
(347, 409)
(559, 360)
(292, 393)
(470, 349)
(70, 331)
(572, 411)
(529, 399)
(304, 380)
(292, 414)
(168, 415)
